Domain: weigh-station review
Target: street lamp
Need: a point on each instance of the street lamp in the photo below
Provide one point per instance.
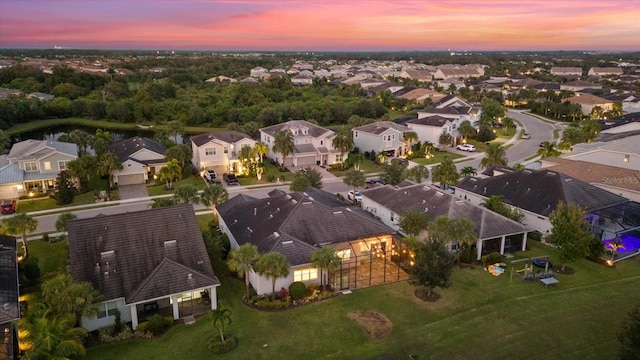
(31, 195)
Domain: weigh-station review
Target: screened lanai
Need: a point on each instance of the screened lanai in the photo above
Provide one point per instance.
(371, 261)
(621, 222)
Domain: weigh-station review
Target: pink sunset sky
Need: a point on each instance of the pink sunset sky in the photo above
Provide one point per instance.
(346, 25)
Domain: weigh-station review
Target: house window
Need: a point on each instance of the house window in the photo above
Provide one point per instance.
(321, 142)
(62, 165)
(210, 151)
(392, 217)
(393, 136)
(47, 165)
(355, 133)
(305, 274)
(31, 166)
(338, 157)
(344, 254)
(108, 308)
(226, 150)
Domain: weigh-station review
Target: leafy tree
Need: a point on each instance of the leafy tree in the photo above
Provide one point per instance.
(445, 139)
(108, 164)
(186, 194)
(393, 173)
(468, 171)
(64, 296)
(413, 221)
(629, 335)
(410, 137)
(162, 202)
(325, 258)
(65, 191)
(63, 221)
(417, 173)
(283, 144)
(175, 128)
(299, 183)
(247, 158)
(213, 195)
(343, 142)
(170, 172)
(5, 141)
(312, 178)
(466, 129)
(261, 149)
(570, 232)
(273, 265)
(433, 266)
(445, 173)
(183, 154)
(220, 318)
(354, 178)
(548, 150)
(21, 224)
(242, 260)
(494, 155)
(101, 141)
(82, 169)
(54, 337)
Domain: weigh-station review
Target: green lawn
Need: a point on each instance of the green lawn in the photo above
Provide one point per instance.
(438, 157)
(479, 317)
(161, 188)
(367, 167)
(52, 258)
(271, 174)
(28, 205)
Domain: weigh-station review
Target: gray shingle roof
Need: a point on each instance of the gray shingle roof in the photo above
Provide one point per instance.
(435, 202)
(540, 191)
(125, 148)
(36, 149)
(379, 127)
(297, 223)
(226, 136)
(314, 130)
(434, 120)
(9, 310)
(140, 255)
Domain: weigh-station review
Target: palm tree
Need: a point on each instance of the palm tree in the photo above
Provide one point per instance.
(441, 229)
(283, 144)
(445, 173)
(468, 171)
(82, 139)
(54, 337)
(325, 259)
(356, 160)
(410, 137)
(616, 245)
(63, 221)
(220, 317)
(182, 153)
(81, 169)
(548, 150)
(21, 224)
(162, 202)
(108, 164)
(261, 149)
(466, 129)
(187, 194)
(428, 148)
(247, 159)
(464, 232)
(213, 195)
(507, 123)
(494, 155)
(64, 296)
(418, 173)
(493, 203)
(343, 142)
(273, 265)
(382, 157)
(169, 172)
(242, 260)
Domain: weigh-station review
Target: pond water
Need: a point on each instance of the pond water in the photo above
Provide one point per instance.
(53, 132)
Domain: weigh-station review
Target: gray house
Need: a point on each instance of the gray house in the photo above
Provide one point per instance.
(141, 159)
(381, 136)
(145, 262)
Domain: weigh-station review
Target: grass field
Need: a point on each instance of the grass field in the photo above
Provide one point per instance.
(479, 317)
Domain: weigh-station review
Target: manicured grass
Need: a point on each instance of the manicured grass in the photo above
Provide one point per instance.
(479, 317)
(27, 205)
(510, 132)
(271, 172)
(52, 257)
(438, 157)
(367, 167)
(161, 188)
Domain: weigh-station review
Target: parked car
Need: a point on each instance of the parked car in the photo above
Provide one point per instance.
(526, 136)
(369, 183)
(230, 179)
(8, 206)
(401, 161)
(466, 147)
(355, 196)
(544, 143)
(210, 175)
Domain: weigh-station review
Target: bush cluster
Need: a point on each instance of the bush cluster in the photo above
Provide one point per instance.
(297, 290)
(493, 258)
(267, 303)
(468, 255)
(217, 347)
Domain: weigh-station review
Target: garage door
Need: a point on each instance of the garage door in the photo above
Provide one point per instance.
(131, 179)
(305, 160)
(8, 192)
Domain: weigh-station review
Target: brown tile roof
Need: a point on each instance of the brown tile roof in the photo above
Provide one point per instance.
(594, 173)
(140, 255)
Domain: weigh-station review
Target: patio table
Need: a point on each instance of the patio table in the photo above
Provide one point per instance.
(549, 281)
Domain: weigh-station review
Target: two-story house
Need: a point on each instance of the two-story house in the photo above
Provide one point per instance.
(381, 136)
(141, 159)
(313, 145)
(444, 117)
(219, 149)
(32, 166)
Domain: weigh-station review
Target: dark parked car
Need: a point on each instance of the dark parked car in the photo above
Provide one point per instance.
(230, 179)
(8, 206)
(369, 183)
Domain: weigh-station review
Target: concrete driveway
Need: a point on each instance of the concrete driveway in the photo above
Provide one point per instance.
(132, 191)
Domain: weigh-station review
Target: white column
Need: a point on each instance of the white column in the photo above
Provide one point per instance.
(502, 241)
(213, 298)
(174, 303)
(134, 316)
(479, 248)
(524, 242)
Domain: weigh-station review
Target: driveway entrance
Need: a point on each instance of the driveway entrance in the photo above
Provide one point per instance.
(132, 191)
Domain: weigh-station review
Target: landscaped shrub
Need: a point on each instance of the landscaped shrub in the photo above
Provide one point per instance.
(142, 327)
(217, 347)
(494, 257)
(297, 290)
(156, 324)
(534, 235)
(468, 255)
(266, 303)
(109, 335)
(168, 321)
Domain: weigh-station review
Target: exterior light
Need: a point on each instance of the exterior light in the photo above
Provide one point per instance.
(626, 158)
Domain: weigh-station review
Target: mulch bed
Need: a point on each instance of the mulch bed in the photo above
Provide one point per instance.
(373, 323)
(422, 293)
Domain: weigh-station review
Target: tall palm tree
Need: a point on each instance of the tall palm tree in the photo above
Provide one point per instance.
(441, 229)
(187, 194)
(494, 155)
(548, 150)
(247, 159)
(82, 169)
(410, 137)
(445, 173)
(273, 265)
(169, 172)
(325, 259)
(468, 171)
(108, 164)
(220, 317)
(242, 261)
(464, 233)
(65, 296)
(283, 144)
(507, 123)
(21, 224)
(213, 195)
(82, 139)
(54, 337)
(343, 142)
(261, 149)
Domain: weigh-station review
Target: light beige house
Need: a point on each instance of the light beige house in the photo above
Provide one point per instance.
(605, 71)
(588, 102)
(219, 149)
(566, 71)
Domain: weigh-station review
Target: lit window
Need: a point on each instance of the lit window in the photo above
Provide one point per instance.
(344, 254)
(47, 165)
(305, 274)
(210, 151)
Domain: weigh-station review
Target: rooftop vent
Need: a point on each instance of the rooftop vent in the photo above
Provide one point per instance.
(287, 242)
(307, 203)
(276, 234)
(189, 276)
(337, 212)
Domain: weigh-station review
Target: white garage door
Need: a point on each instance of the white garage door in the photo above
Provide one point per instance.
(8, 192)
(305, 160)
(131, 179)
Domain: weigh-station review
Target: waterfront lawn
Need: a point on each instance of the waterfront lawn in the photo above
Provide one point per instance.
(479, 317)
